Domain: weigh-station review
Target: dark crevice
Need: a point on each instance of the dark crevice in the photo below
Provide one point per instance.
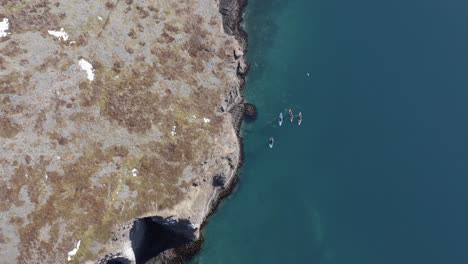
(151, 236)
(218, 181)
(118, 261)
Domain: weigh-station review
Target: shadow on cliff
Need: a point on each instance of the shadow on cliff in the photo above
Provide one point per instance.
(152, 235)
(118, 261)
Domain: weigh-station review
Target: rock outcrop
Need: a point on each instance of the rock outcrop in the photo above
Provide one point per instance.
(250, 110)
(118, 126)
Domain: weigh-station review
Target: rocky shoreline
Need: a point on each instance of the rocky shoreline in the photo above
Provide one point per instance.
(232, 12)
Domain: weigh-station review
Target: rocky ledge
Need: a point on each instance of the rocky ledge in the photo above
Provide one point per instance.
(119, 126)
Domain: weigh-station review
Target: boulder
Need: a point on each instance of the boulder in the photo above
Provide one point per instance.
(250, 110)
(238, 53)
(242, 68)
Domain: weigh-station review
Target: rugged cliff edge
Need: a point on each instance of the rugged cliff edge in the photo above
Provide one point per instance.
(119, 126)
(181, 244)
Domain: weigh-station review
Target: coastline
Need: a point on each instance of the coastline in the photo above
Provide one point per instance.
(232, 12)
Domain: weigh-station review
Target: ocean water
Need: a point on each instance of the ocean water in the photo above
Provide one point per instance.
(378, 171)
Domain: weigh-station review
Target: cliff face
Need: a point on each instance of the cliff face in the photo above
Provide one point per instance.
(112, 111)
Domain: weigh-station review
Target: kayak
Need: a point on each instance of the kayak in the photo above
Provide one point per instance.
(299, 119)
(271, 141)
(291, 115)
(280, 119)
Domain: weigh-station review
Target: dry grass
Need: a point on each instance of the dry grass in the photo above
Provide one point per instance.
(3, 63)
(170, 64)
(132, 34)
(142, 13)
(165, 38)
(171, 28)
(73, 198)
(8, 108)
(12, 49)
(31, 15)
(14, 83)
(59, 61)
(61, 140)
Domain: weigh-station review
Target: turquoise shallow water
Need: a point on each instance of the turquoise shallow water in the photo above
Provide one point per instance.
(377, 173)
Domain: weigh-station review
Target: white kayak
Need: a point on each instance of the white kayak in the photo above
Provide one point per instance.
(299, 119)
(271, 141)
(280, 119)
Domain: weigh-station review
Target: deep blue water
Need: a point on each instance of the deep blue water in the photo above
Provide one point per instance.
(377, 173)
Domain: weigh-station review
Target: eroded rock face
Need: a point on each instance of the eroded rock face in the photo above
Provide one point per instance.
(110, 111)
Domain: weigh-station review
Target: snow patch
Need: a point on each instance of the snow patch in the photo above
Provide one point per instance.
(86, 66)
(4, 26)
(73, 252)
(59, 34)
